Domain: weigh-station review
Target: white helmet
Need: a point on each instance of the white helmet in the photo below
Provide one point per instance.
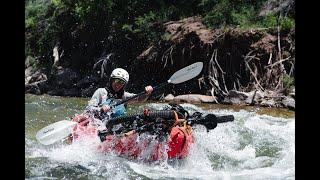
(121, 74)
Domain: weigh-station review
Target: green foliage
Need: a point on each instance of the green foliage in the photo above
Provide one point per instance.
(287, 23)
(144, 25)
(35, 11)
(219, 14)
(273, 20)
(288, 81)
(36, 21)
(30, 22)
(57, 3)
(81, 11)
(127, 28)
(269, 21)
(242, 13)
(86, 11)
(32, 61)
(47, 21)
(143, 22)
(244, 16)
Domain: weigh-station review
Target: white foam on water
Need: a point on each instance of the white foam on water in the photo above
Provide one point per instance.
(251, 147)
(83, 153)
(187, 106)
(231, 151)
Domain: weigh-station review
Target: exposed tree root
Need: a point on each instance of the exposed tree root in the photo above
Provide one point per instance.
(246, 60)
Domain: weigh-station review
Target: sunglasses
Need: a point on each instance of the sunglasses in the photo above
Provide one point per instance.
(119, 81)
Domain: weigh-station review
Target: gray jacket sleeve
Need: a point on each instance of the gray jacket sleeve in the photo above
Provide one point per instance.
(127, 95)
(96, 99)
(142, 98)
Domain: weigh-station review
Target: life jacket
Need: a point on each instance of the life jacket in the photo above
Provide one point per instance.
(180, 139)
(113, 98)
(179, 142)
(117, 110)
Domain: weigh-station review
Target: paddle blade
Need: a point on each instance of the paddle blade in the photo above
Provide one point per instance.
(225, 118)
(186, 73)
(55, 132)
(210, 121)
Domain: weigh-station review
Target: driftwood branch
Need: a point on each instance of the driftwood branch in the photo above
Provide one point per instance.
(165, 56)
(171, 56)
(252, 57)
(291, 69)
(214, 97)
(252, 73)
(214, 74)
(279, 82)
(279, 48)
(222, 72)
(279, 62)
(270, 58)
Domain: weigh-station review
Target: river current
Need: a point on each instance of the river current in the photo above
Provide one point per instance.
(258, 144)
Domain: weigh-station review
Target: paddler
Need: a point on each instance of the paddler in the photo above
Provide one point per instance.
(115, 90)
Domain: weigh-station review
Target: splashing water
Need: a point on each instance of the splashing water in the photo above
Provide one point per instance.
(254, 146)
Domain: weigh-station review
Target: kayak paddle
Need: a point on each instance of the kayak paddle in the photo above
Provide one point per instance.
(55, 132)
(180, 76)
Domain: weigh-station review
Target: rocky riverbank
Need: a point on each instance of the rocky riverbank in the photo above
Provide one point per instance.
(252, 67)
(253, 98)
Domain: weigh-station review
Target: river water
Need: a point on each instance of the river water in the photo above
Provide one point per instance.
(258, 144)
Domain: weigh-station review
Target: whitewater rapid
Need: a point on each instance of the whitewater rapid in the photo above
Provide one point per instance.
(253, 146)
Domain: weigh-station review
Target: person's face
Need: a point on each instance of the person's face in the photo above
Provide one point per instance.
(117, 84)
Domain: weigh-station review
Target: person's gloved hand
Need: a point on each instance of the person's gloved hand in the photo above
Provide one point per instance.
(148, 89)
(105, 108)
(81, 117)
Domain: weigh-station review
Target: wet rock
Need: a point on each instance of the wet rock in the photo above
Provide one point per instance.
(236, 97)
(65, 78)
(36, 77)
(194, 98)
(43, 86)
(169, 97)
(238, 94)
(88, 80)
(32, 89)
(35, 82)
(29, 71)
(27, 79)
(88, 92)
(268, 102)
(289, 102)
(255, 97)
(56, 92)
(32, 75)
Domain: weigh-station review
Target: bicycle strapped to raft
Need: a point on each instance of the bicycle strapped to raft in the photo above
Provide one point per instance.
(159, 122)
